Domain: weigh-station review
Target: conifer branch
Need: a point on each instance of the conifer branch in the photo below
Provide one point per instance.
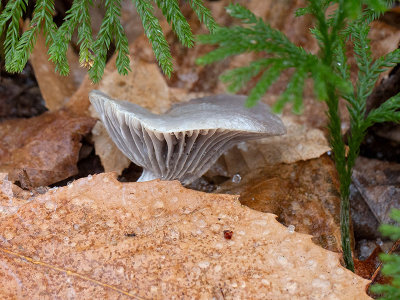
(203, 13)
(13, 11)
(93, 52)
(171, 10)
(154, 33)
(42, 14)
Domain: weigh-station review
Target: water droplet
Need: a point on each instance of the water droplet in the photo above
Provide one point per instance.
(265, 281)
(291, 287)
(329, 152)
(291, 228)
(90, 177)
(219, 246)
(339, 64)
(215, 228)
(158, 204)
(204, 264)
(201, 223)
(110, 223)
(236, 178)
(322, 284)
(9, 235)
(50, 205)
(70, 184)
(282, 260)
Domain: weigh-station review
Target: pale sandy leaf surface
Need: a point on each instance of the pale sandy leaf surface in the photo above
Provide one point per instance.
(99, 238)
(302, 194)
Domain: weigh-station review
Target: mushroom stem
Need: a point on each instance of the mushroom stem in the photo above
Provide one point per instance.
(146, 176)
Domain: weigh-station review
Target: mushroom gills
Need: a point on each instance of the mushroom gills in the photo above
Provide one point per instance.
(184, 142)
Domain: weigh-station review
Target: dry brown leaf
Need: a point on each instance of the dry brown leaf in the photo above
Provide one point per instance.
(46, 147)
(302, 194)
(145, 86)
(79, 102)
(379, 184)
(300, 143)
(112, 159)
(11, 197)
(56, 89)
(99, 238)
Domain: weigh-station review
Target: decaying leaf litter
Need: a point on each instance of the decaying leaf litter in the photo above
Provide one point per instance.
(272, 176)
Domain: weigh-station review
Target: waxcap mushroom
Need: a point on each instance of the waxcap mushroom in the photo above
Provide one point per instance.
(184, 142)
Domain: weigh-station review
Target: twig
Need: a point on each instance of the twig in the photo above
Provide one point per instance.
(378, 269)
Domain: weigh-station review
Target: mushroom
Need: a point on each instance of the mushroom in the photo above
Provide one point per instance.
(184, 142)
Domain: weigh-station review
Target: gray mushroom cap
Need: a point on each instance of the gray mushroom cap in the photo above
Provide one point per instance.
(184, 142)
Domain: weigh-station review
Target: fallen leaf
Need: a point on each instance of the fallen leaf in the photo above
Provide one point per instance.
(366, 268)
(145, 86)
(56, 89)
(98, 238)
(79, 102)
(112, 159)
(42, 150)
(299, 143)
(365, 224)
(12, 197)
(379, 184)
(302, 194)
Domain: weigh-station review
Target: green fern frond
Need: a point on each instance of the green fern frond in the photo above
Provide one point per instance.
(270, 75)
(203, 13)
(294, 92)
(104, 39)
(239, 77)
(154, 33)
(42, 14)
(58, 50)
(85, 36)
(171, 10)
(387, 112)
(13, 11)
(93, 52)
(122, 48)
(391, 262)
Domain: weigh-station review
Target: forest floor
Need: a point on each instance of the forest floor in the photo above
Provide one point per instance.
(74, 224)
